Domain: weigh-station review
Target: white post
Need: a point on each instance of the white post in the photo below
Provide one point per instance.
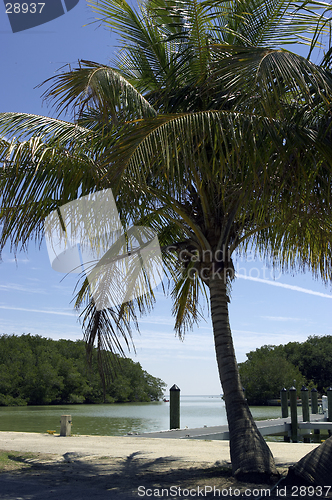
(65, 429)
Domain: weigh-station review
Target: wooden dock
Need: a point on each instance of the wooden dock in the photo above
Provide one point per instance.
(220, 432)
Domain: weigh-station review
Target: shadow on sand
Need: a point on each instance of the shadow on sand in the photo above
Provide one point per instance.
(78, 477)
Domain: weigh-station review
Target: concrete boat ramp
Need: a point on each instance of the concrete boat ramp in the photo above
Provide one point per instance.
(220, 432)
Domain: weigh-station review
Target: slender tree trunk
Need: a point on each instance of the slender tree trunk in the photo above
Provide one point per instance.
(250, 455)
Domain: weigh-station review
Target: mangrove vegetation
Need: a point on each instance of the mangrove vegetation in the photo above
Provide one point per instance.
(270, 368)
(39, 371)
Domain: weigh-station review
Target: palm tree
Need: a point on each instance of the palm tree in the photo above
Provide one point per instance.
(313, 469)
(208, 133)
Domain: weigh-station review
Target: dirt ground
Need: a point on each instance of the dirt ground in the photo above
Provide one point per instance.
(75, 476)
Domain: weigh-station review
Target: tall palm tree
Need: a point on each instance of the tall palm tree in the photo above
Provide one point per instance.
(208, 133)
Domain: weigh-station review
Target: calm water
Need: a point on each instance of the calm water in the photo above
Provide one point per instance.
(118, 419)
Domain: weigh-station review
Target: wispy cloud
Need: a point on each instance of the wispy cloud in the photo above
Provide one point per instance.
(282, 318)
(284, 285)
(159, 320)
(41, 311)
(20, 288)
(18, 260)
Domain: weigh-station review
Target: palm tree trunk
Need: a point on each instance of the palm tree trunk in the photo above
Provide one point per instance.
(315, 468)
(250, 455)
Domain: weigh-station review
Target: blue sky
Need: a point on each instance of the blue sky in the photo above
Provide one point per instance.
(35, 299)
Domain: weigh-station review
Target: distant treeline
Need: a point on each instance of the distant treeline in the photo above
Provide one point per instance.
(270, 368)
(36, 371)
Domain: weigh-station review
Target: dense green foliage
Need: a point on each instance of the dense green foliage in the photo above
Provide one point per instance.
(314, 359)
(266, 371)
(36, 370)
(270, 368)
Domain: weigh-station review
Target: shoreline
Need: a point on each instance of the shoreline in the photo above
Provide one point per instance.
(285, 454)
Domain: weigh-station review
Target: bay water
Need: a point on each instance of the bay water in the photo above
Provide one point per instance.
(119, 419)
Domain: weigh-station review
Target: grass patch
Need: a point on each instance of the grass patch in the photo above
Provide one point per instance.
(14, 460)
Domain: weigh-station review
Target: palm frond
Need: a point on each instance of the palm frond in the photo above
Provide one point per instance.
(105, 329)
(188, 287)
(36, 179)
(272, 23)
(268, 79)
(232, 161)
(99, 87)
(53, 131)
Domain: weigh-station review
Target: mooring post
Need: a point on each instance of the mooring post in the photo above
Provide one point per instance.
(293, 409)
(174, 407)
(65, 429)
(305, 408)
(314, 400)
(329, 404)
(305, 404)
(284, 407)
(314, 405)
(284, 402)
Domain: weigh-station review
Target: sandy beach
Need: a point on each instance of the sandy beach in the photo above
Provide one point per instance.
(210, 452)
(107, 467)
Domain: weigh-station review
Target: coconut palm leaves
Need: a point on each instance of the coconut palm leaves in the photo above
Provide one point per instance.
(100, 88)
(41, 172)
(268, 81)
(215, 169)
(252, 23)
(178, 57)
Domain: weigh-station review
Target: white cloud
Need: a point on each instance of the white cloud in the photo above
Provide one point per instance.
(159, 320)
(284, 285)
(169, 341)
(39, 311)
(20, 288)
(18, 260)
(282, 318)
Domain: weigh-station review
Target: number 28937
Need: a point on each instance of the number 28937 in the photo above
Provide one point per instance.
(24, 8)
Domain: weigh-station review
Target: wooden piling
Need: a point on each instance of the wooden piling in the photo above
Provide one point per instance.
(284, 402)
(329, 404)
(284, 407)
(174, 407)
(314, 405)
(65, 429)
(293, 408)
(305, 409)
(305, 404)
(314, 401)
